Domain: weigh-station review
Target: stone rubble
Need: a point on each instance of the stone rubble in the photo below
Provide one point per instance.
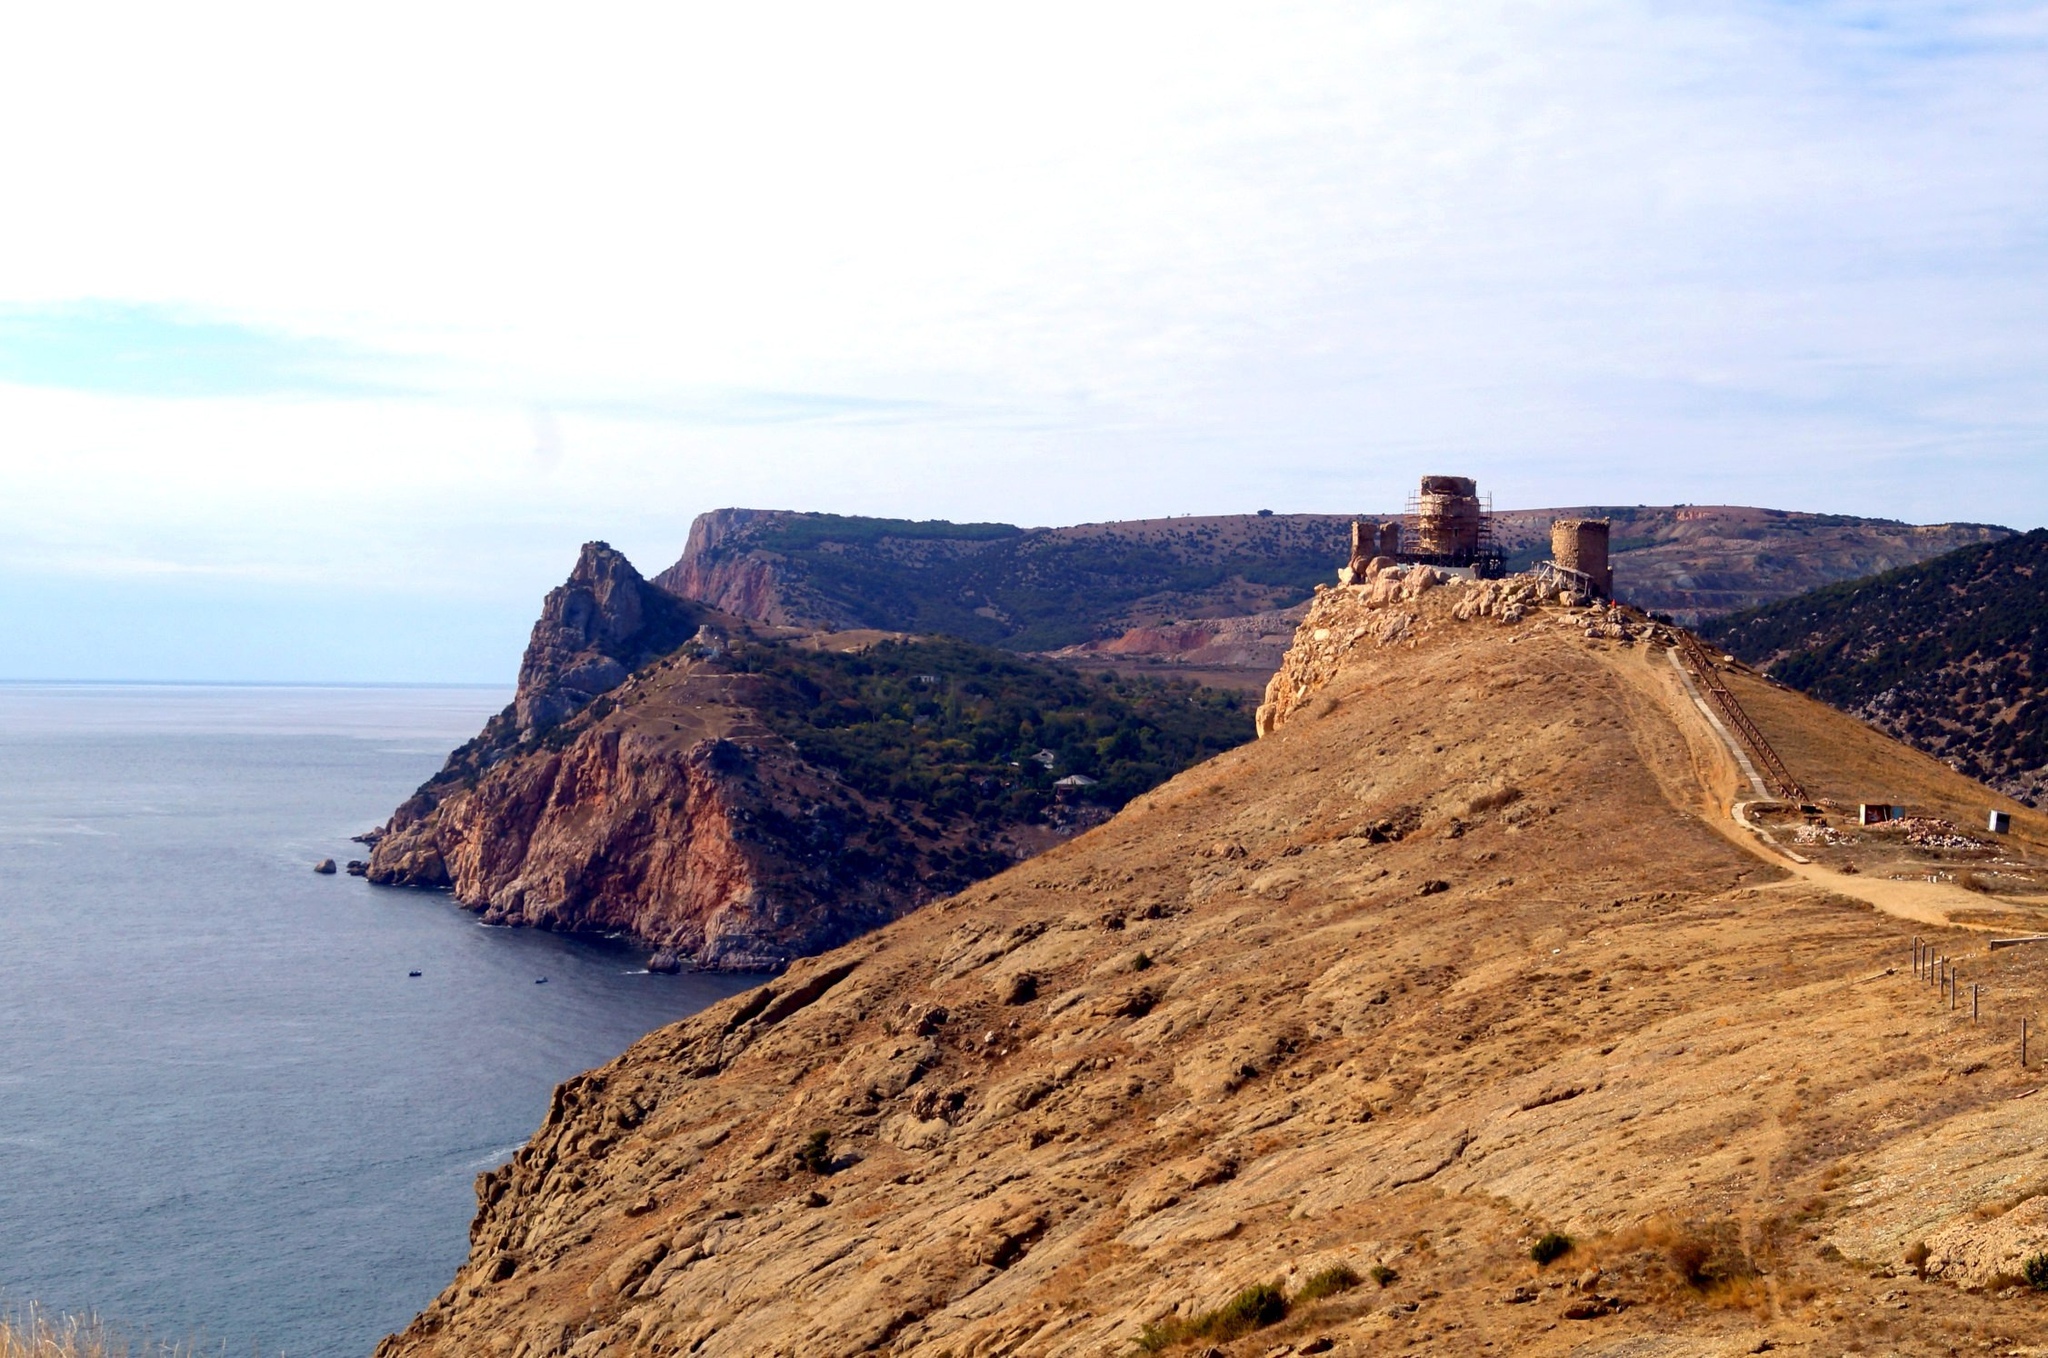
(1381, 601)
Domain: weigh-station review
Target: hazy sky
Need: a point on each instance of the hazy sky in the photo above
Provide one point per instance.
(327, 333)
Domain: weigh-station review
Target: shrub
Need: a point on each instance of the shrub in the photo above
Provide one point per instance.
(1688, 1255)
(1327, 1283)
(816, 1155)
(2035, 1271)
(1383, 1275)
(1550, 1246)
(1259, 1305)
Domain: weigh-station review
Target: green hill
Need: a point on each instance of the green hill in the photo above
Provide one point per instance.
(1950, 655)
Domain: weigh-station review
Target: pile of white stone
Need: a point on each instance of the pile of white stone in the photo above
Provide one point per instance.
(1509, 600)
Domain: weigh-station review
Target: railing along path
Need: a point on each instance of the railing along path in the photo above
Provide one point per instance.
(1702, 665)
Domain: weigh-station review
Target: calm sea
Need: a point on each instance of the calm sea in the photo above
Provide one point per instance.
(226, 1110)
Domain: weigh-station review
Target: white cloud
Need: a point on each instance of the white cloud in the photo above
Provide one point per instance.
(1039, 263)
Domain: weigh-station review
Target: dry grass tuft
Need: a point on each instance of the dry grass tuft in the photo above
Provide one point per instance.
(34, 1333)
(1705, 1257)
(1493, 801)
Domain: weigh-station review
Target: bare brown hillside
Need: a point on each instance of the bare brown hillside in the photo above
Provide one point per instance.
(1466, 951)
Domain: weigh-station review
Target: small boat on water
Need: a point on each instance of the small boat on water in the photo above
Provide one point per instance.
(540, 980)
(412, 973)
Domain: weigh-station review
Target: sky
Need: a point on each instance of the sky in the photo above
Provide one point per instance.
(328, 333)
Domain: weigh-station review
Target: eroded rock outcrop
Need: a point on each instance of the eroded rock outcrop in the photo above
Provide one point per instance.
(594, 629)
(747, 581)
(652, 803)
(716, 841)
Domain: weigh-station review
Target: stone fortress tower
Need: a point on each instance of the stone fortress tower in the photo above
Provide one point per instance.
(1581, 545)
(1446, 525)
(1448, 518)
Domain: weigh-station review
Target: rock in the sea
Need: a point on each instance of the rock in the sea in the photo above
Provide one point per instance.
(324, 866)
(665, 963)
(357, 867)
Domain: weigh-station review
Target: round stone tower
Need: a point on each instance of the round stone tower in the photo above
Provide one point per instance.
(1448, 517)
(1581, 545)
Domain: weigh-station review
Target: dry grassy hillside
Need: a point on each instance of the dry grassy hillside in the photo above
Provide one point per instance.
(1467, 952)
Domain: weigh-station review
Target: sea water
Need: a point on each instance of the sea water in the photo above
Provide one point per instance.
(227, 1111)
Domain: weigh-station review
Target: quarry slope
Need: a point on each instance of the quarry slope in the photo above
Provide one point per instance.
(1467, 949)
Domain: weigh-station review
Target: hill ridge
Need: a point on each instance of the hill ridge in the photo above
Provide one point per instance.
(1466, 950)
(1219, 593)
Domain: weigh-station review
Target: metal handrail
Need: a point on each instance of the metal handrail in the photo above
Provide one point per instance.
(1703, 668)
(1564, 577)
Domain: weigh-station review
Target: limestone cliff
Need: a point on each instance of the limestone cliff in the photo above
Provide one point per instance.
(746, 581)
(650, 803)
(671, 815)
(594, 630)
(743, 796)
(1468, 950)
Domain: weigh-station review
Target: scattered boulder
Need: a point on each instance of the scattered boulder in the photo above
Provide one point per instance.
(325, 867)
(356, 867)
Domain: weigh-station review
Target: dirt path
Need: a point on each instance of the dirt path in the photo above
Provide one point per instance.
(1719, 769)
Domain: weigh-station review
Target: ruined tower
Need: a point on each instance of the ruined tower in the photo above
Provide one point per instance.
(1581, 545)
(1448, 516)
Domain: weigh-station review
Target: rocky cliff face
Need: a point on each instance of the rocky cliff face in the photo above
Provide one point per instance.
(594, 630)
(1467, 950)
(753, 584)
(744, 798)
(652, 803)
(672, 816)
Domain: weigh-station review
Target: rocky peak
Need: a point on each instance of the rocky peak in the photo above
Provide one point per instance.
(594, 630)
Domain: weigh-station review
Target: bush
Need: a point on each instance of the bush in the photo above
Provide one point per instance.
(1383, 1275)
(1688, 1255)
(1259, 1305)
(2035, 1271)
(1327, 1283)
(816, 1155)
(1550, 1246)
(1256, 1307)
